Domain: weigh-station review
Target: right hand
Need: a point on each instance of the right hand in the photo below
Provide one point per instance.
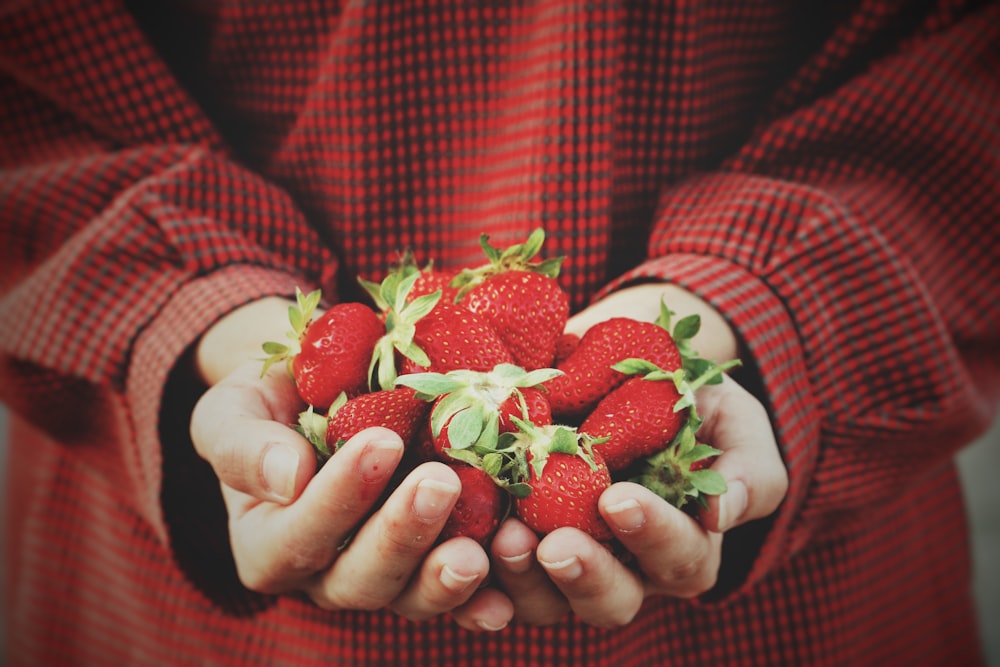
(324, 532)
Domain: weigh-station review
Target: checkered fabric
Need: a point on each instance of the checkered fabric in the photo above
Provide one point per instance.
(826, 174)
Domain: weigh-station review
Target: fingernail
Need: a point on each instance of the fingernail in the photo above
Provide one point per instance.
(378, 459)
(455, 582)
(732, 504)
(433, 499)
(564, 570)
(627, 516)
(279, 468)
(517, 564)
(489, 627)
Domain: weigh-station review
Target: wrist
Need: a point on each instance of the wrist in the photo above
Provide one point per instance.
(237, 337)
(716, 340)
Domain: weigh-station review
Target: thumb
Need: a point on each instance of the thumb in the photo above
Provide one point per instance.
(736, 423)
(241, 427)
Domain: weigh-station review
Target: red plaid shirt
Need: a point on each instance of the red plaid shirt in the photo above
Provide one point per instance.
(826, 174)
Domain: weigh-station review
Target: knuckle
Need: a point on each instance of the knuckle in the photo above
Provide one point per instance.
(399, 538)
(350, 598)
(687, 578)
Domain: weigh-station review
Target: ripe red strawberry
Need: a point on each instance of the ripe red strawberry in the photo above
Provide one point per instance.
(429, 279)
(472, 408)
(555, 477)
(429, 334)
(520, 298)
(331, 354)
(565, 346)
(453, 338)
(637, 419)
(432, 280)
(530, 404)
(395, 409)
(588, 371)
(480, 508)
(564, 492)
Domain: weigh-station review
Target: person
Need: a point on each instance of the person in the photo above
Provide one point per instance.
(820, 183)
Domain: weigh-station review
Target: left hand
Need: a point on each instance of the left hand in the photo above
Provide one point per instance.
(675, 554)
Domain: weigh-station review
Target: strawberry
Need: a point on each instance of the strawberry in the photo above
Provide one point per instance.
(428, 334)
(565, 345)
(588, 373)
(472, 408)
(520, 298)
(645, 414)
(652, 418)
(452, 338)
(530, 404)
(480, 508)
(637, 419)
(429, 279)
(395, 409)
(564, 492)
(555, 477)
(331, 354)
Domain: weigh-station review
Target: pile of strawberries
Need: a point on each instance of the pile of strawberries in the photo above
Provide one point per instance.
(473, 368)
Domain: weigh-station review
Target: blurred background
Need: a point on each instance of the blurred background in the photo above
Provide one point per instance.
(979, 465)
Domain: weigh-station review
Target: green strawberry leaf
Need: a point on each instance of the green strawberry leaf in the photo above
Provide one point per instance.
(564, 441)
(708, 482)
(687, 327)
(312, 427)
(636, 366)
(684, 442)
(699, 452)
(374, 290)
(519, 489)
(492, 464)
(665, 316)
(465, 456)
(446, 408)
(466, 426)
(533, 245)
(430, 385)
(419, 307)
(272, 348)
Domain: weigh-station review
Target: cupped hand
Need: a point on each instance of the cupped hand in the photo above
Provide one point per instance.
(672, 553)
(355, 534)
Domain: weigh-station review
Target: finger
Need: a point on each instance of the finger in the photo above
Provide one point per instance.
(488, 609)
(756, 477)
(537, 601)
(600, 589)
(241, 426)
(674, 552)
(388, 549)
(448, 577)
(279, 548)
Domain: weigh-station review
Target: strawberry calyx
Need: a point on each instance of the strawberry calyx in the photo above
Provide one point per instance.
(673, 473)
(299, 316)
(518, 257)
(401, 316)
(525, 452)
(469, 403)
(312, 426)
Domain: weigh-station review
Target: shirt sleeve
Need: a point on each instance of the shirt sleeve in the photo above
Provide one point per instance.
(126, 229)
(852, 244)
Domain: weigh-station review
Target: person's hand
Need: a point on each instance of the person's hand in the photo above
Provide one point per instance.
(341, 534)
(674, 554)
